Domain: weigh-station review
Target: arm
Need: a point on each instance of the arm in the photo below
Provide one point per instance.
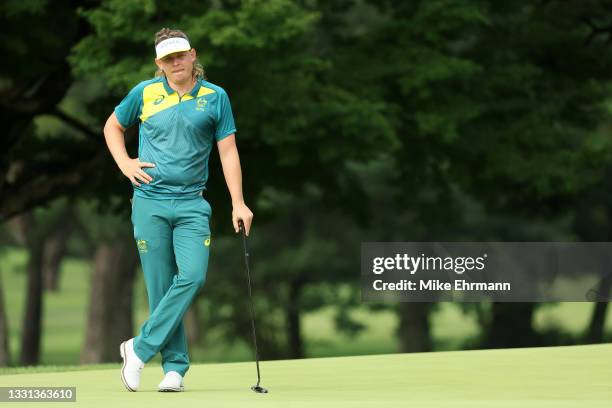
(230, 161)
(115, 140)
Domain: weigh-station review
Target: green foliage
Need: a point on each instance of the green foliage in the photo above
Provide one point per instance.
(471, 94)
(265, 54)
(476, 94)
(357, 120)
(100, 222)
(259, 24)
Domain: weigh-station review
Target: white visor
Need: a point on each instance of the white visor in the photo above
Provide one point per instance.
(171, 45)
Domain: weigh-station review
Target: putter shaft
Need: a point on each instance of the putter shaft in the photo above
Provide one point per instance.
(257, 388)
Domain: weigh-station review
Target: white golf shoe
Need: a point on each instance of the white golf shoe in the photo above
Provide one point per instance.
(130, 372)
(172, 382)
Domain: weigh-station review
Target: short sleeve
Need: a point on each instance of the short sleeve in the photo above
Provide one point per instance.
(129, 108)
(225, 125)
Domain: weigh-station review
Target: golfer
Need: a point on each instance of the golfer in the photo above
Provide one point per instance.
(180, 115)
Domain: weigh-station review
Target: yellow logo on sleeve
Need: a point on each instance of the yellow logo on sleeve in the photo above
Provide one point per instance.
(207, 242)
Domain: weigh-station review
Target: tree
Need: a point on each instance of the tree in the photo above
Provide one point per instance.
(115, 261)
(463, 99)
(5, 352)
(34, 85)
(485, 103)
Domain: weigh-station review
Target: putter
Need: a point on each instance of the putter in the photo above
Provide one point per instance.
(257, 388)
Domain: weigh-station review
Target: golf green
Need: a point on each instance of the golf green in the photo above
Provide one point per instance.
(576, 376)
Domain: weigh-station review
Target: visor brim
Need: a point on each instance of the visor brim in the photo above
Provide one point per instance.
(172, 52)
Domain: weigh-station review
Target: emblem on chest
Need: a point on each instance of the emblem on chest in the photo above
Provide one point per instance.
(201, 104)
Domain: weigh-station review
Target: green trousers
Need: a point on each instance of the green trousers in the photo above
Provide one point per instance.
(173, 239)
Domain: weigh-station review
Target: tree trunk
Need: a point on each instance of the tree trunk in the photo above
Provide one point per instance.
(5, 353)
(414, 331)
(109, 320)
(597, 324)
(294, 329)
(54, 251)
(598, 318)
(192, 324)
(296, 236)
(511, 326)
(32, 319)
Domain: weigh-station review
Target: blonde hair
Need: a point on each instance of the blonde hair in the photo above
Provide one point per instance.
(164, 34)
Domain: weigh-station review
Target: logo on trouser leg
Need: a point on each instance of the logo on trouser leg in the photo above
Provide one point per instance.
(207, 242)
(142, 245)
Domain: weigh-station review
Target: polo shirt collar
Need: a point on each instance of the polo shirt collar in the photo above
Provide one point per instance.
(169, 90)
(167, 87)
(196, 88)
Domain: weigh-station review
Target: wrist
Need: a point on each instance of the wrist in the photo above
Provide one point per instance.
(122, 162)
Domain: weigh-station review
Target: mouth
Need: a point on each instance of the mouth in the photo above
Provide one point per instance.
(177, 71)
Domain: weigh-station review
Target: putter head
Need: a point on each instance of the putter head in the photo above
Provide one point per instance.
(259, 389)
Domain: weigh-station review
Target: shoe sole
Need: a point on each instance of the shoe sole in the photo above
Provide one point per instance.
(122, 352)
(168, 389)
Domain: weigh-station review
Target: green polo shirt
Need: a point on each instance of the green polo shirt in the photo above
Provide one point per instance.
(176, 134)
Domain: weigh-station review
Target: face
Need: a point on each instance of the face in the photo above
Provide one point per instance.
(178, 66)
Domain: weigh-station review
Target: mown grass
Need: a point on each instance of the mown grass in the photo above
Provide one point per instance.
(545, 377)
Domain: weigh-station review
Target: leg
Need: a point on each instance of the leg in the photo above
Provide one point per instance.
(191, 248)
(174, 353)
(153, 234)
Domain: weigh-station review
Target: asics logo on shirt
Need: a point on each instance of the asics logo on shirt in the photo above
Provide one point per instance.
(159, 99)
